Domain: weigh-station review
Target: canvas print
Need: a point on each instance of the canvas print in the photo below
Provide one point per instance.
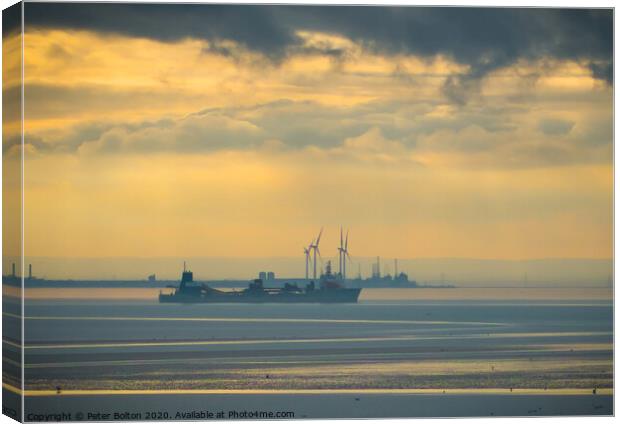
(229, 211)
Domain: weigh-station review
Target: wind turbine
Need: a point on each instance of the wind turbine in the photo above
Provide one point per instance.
(315, 247)
(340, 249)
(345, 256)
(307, 251)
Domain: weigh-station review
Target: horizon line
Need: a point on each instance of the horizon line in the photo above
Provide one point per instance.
(471, 258)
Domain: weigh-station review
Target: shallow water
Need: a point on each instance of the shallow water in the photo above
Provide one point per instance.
(554, 342)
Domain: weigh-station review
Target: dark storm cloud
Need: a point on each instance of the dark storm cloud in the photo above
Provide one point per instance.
(12, 19)
(253, 26)
(484, 38)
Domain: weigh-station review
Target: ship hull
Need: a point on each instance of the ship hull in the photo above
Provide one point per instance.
(317, 296)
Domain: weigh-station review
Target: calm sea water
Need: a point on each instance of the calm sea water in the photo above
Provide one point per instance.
(394, 339)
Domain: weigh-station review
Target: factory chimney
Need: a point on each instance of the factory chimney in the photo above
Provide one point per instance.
(29, 271)
(13, 269)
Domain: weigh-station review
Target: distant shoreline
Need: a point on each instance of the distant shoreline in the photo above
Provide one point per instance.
(225, 283)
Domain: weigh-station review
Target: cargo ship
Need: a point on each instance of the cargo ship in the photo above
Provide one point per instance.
(330, 290)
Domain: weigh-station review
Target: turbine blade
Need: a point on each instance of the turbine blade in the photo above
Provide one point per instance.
(346, 241)
(318, 239)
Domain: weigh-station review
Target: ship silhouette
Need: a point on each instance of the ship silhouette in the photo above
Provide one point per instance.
(330, 290)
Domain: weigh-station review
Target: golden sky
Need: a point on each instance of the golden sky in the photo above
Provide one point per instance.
(193, 147)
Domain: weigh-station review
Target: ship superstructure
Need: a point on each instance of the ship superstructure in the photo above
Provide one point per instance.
(329, 290)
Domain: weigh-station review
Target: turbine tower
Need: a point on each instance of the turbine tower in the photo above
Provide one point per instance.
(340, 250)
(315, 247)
(307, 251)
(345, 256)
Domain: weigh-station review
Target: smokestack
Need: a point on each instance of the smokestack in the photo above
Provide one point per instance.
(13, 269)
(29, 271)
(395, 268)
